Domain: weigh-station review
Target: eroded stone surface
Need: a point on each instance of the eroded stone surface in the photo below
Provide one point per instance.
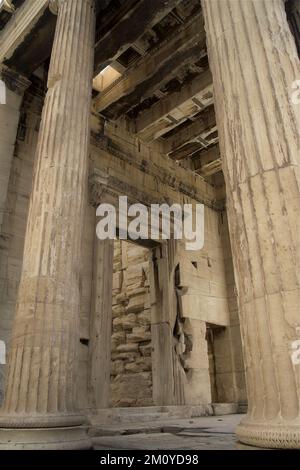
(259, 142)
(212, 433)
(152, 331)
(44, 339)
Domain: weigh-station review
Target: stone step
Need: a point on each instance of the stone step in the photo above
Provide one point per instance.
(159, 413)
(221, 409)
(149, 413)
(199, 430)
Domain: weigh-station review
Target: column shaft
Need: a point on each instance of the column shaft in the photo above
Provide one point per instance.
(254, 64)
(40, 388)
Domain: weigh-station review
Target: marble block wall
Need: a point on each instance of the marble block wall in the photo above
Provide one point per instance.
(131, 367)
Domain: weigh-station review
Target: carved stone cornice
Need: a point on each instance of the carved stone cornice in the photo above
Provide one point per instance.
(53, 6)
(98, 187)
(164, 175)
(105, 188)
(13, 80)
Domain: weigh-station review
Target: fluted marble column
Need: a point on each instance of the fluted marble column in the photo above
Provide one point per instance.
(254, 63)
(41, 388)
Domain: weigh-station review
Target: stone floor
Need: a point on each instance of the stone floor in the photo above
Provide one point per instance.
(203, 433)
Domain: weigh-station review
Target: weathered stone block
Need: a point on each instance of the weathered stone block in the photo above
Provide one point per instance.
(129, 347)
(127, 322)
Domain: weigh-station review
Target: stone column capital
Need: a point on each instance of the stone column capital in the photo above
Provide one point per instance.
(53, 6)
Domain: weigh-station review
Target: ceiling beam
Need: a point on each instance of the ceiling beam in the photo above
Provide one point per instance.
(156, 68)
(36, 47)
(168, 112)
(20, 26)
(208, 162)
(145, 180)
(206, 156)
(211, 168)
(143, 15)
(189, 134)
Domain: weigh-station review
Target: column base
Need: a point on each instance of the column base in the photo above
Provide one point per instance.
(72, 438)
(269, 435)
(43, 420)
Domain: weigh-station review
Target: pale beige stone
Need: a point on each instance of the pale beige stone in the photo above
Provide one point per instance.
(259, 143)
(137, 326)
(17, 30)
(44, 341)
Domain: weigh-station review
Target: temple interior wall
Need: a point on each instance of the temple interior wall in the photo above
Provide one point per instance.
(226, 359)
(176, 115)
(208, 295)
(15, 215)
(131, 366)
(212, 284)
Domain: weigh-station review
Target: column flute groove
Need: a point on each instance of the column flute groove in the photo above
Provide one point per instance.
(254, 63)
(41, 384)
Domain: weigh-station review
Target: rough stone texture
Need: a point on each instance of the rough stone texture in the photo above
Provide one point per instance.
(227, 365)
(133, 325)
(204, 433)
(9, 119)
(131, 364)
(86, 288)
(133, 416)
(192, 289)
(205, 294)
(259, 142)
(40, 388)
(142, 171)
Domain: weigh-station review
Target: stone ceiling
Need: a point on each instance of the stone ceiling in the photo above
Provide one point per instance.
(163, 85)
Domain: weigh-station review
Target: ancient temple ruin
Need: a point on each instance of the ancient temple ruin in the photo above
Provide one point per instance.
(166, 102)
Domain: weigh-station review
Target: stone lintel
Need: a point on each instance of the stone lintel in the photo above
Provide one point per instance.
(173, 183)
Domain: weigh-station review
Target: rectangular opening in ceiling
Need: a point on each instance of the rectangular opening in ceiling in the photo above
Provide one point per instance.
(105, 78)
(128, 57)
